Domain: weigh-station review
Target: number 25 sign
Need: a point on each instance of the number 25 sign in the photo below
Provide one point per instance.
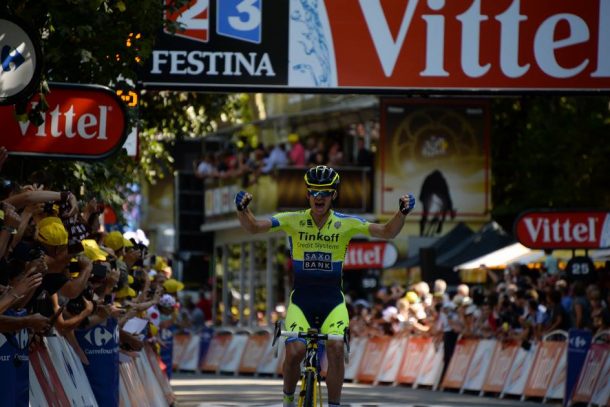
(238, 19)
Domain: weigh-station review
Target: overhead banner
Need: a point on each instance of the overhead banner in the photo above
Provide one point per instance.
(83, 122)
(439, 151)
(359, 45)
(557, 229)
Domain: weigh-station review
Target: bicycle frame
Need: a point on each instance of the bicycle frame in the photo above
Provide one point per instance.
(311, 380)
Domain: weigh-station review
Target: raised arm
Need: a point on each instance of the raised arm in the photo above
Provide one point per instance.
(246, 217)
(392, 227)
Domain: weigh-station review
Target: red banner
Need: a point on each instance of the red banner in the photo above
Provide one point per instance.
(563, 230)
(370, 255)
(82, 122)
(492, 45)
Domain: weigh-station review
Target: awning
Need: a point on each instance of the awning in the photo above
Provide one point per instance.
(517, 253)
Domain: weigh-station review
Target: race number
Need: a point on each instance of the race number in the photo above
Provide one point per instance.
(580, 268)
(240, 19)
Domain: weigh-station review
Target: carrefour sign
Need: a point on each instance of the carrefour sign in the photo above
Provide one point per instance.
(474, 45)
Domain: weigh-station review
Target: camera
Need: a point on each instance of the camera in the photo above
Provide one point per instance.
(77, 305)
(98, 272)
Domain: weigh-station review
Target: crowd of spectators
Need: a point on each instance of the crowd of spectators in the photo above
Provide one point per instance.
(60, 272)
(520, 304)
(249, 164)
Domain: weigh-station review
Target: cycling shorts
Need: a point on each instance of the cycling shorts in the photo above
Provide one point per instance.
(322, 308)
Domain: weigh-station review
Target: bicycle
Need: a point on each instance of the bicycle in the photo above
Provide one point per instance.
(311, 387)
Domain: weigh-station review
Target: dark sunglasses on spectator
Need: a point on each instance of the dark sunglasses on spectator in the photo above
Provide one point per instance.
(322, 193)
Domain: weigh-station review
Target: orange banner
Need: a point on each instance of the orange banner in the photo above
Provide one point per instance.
(460, 362)
(254, 352)
(373, 358)
(220, 343)
(500, 366)
(590, 375)
(413, 359)
(545, 363)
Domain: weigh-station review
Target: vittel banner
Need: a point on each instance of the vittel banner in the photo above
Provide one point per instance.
(563, 229)
(474, 45)
(370, 255)
(84, 122)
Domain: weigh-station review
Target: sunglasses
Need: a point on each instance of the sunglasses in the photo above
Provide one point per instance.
(322, 193)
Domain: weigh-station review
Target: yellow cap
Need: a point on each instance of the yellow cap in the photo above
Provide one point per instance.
(114, 240)
(160, 264)
(412, 297)
(51, 231)
(126, 291)
(93, 251)
(130, 279)
(127, 243)
(293, 137)
(173, 286)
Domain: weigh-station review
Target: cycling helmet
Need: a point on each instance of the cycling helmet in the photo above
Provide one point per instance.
(322, 176)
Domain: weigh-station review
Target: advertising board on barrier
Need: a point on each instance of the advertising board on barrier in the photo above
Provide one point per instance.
(415, 44)
(579, 342)
(591, 373)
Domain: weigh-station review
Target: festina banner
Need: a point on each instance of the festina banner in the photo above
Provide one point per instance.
(563, 229)
(393, 46)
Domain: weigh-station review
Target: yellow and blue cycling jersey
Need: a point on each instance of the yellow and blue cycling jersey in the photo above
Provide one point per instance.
(317, 257)
(318, 254)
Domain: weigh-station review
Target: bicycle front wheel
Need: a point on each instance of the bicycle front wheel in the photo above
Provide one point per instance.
(309, 400)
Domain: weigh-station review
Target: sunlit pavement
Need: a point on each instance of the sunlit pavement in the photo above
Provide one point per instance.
(207, 390)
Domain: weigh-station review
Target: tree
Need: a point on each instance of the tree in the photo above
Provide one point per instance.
(103, 42)
(549, 152)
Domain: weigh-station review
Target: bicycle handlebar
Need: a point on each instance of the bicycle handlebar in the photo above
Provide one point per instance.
(306, 335)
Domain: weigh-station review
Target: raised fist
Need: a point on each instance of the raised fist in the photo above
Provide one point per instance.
(242, 199)
(406, 203)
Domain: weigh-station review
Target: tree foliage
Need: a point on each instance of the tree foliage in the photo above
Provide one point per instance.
(549, 152)
(104, 42)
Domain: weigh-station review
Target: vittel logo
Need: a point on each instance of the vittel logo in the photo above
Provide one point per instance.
(564, 230)
(82, 121)
(511, 24)
(63, 121)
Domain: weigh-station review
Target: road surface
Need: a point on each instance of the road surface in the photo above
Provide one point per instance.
(208, 390)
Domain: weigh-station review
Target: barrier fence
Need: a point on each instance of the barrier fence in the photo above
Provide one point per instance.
(480, 366)
(55, 376)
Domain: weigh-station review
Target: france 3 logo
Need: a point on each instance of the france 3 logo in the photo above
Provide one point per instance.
(238, 19)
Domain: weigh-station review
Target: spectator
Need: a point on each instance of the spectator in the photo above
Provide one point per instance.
(581, 307)
(566, 300)
(277, 158)
(364, 157)
(335, 155)
(205, 167)
(297, 151)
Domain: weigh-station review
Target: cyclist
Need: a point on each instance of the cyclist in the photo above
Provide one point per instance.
(319, 237)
